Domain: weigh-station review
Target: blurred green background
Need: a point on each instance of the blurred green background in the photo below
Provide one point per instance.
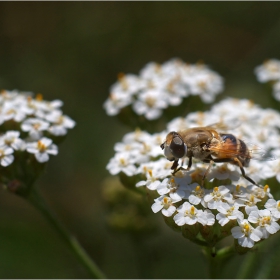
(73, 51)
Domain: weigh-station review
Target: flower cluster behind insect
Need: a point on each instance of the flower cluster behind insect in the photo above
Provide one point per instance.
(269, 71)
(160, 86)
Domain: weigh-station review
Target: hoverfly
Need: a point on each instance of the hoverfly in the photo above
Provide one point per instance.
(209, 146)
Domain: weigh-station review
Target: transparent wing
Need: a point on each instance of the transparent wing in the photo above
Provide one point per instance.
(225, 126)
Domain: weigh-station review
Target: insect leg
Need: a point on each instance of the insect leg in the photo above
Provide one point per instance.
(175, 164)
(207, 172)
(243, 172)
(239, 164)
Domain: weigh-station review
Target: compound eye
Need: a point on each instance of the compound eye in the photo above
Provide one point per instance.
(168, 153)
(177, 147)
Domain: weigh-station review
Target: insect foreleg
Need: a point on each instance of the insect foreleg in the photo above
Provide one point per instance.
(175, 164)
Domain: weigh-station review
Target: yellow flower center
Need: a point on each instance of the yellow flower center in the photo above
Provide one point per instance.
(41, 146)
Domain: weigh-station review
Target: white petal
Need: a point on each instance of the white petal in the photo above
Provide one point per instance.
(7, 160)
(42, 157)
(156, 207)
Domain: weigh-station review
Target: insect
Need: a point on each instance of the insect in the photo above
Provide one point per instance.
(209, 146)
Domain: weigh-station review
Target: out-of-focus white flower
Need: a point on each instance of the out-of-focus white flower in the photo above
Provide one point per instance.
(121, 162)
(150, 104)
(35, 127)
(269, 70)
(116, 102)
(59, 123)
(224, 171)
(274, 207)
(276, 90)
(6, 157)
(10, 111)
(11, 139)
(159, 86)
(42, 149)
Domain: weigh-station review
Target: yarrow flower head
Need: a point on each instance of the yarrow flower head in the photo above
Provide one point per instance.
(30, 128)
(159, 86)
(269, 71)
(226, 200)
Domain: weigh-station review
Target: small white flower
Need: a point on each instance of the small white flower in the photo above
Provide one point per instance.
(224, 171)
(59, 123)
(210, 217)
(274, 207)
(266, 222)
(42, 149)
(6, 157)
(122, 162)
(195, 194)
(34, 127)
(152, 181)
(227, 213)
(217, 196)
(11, 139)
(246, 234)
(150, 104)
(188, 214)
(169, 185)
(116, 102)
(276, 90)
(11, 111)
(269, 70)
(165, 205)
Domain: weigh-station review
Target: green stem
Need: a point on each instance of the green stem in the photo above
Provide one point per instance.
(217, 260)
(39, 203)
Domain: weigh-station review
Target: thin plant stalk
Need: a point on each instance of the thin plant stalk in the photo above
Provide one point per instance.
(39, 203)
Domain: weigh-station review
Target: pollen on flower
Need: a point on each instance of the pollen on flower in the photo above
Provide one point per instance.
(202, 85)
(216, 189)
(36, 126)
(192, 212)
(150, 101)
(265, 188)
(166, 202)
(265, 220)
(122, 161)
(150, 171)
(39, 97)
(246, 229)
(237, 188)
(41, 146)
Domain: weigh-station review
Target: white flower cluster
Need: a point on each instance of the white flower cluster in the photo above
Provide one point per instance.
(159, 86)
(269, 71)
(26, 122)
(182, 197)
